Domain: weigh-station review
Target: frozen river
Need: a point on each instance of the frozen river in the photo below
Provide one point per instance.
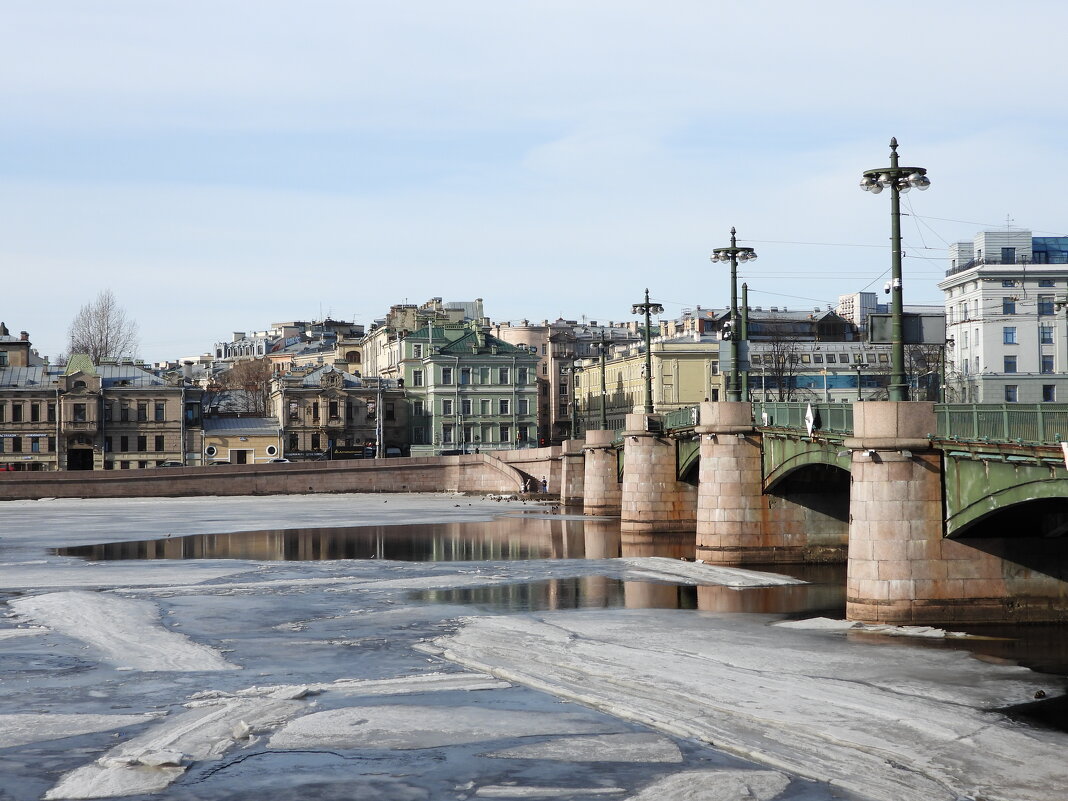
(424, 647)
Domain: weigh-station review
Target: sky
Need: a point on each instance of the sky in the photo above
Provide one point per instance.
(221, 166)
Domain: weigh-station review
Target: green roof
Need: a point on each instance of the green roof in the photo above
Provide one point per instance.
(79, 363)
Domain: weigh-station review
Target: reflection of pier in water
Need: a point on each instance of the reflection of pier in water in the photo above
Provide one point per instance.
(502, 539)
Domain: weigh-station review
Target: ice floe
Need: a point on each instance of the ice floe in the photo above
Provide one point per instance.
(19, 729)
(152, 760)
(888, 726)
(417, 726)
(627, 747)
(126, 633)
(677, 571)
(716, 785)
(829, 624)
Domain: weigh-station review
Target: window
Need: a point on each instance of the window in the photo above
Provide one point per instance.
(465, 375)
(964, 339)
(545, 369)
(51, 444)
(503, 406)
(159, 411)
(3, 409)
(124, 444)
(523, 406)
(1045, 305)
(159, 443)
(142, 443)
(1008, 283)
(16, 412)
(294, 410)
(142, 411)
(417, 408)
(446, 407)
(483, 375)
(1010, 364)
(107, 444)
(1045, 334)
(333, 410)
(419, 435)
(35, 445)
(16, 444)
(124, 412)
(124, 465)
(417, 351)
(522, 375)
(563, 389)
(417, 378)
(3, 358)
(315, 410)
(858, 358)
(817, 358)
(1047, 363)
(35, 412)
(316, 441)
(1049, 393)
(1008, 305)
(831, 358)
(468, 434)
(446, 434)
(1047, 282)
(1008, 335)
(506, 432)
(79, 412)
(563, 409)
(521, 434)
(484, 407)
(294, 442)
(1011, 393)
(446, 375)
(806, 358)
(465, 407)
(503, 375)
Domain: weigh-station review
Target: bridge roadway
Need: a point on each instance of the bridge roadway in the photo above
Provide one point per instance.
(942, 513)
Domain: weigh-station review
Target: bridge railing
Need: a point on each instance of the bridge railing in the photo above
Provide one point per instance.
(687, 417)
(1031, 423)
(834, 418)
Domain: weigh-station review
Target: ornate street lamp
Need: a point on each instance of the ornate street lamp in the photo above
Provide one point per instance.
(897, 179)
(734, 254)
(648, 309)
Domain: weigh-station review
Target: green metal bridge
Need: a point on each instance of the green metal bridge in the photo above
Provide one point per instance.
(995, 456)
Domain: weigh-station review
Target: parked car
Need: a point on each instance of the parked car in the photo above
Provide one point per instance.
(218, 462)
(278, 461)
(170, 464)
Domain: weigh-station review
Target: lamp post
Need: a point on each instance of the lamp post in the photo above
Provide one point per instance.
(897, 179)
(602, 346)
(734, 254)
(859, 367)
(648, 309)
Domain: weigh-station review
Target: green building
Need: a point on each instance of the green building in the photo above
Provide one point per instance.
(467, 390)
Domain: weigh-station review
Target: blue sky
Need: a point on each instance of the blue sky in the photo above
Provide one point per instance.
(224, 165)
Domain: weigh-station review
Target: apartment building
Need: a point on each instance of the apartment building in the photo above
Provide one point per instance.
(1004, 295)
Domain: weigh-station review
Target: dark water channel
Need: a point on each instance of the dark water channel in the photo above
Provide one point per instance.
(528, 536)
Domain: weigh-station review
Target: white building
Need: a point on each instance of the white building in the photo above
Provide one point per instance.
(1005, 318)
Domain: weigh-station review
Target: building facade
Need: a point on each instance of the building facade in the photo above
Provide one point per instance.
(112, 416)
(467, 390)
(1004, 294)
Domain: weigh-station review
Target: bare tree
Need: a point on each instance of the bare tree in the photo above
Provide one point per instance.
(248, 385)
(102, 329)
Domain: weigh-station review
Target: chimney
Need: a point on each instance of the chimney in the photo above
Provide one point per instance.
(24, 336)
(187, 371)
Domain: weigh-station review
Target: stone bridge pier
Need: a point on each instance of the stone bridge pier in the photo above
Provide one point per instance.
(654, 502)
(902, 568)
(738, 522)
(601, 491)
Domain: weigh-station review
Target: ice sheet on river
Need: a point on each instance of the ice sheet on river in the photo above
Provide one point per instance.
(127, 633)
(888, 723)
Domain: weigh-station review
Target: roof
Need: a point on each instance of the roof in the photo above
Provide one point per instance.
(24, 377)
(125, 375)
(79, 363)
(242, 426)
(315, 377)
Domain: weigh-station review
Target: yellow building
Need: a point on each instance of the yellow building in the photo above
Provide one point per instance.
(685, 373)
(241, 440)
